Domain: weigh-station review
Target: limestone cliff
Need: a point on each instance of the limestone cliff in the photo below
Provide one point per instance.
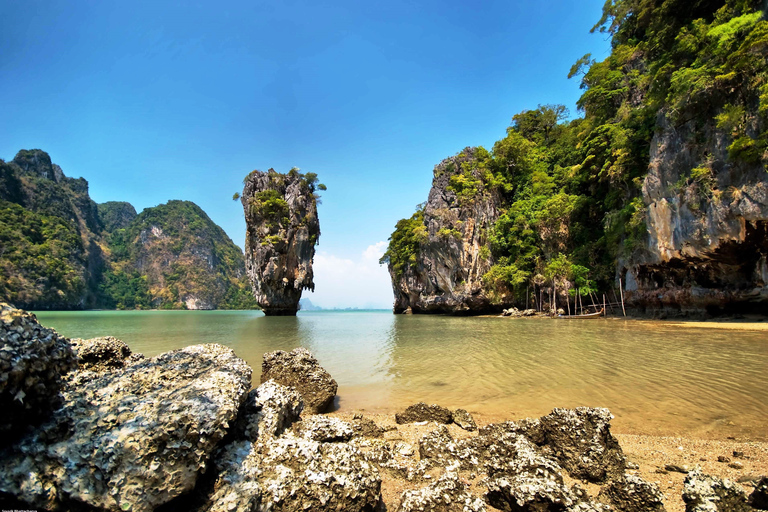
(61, 250)
(281, 233)
(707, 220)
(449, 253)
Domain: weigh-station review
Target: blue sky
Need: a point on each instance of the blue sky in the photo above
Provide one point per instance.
(151, 101)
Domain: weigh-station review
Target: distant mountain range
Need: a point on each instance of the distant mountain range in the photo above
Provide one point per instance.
(61, 250)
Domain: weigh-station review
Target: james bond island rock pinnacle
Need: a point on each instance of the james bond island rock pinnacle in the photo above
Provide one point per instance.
(282, 230)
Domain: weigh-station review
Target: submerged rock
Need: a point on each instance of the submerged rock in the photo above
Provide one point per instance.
(33, 360)
(706, 493)
(299, 369)
(130, 439)
(281, 234)
(448, 494)
(423, 412)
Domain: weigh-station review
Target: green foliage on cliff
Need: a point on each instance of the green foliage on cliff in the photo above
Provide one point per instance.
(173, 253)
(41, 258)
(60, 250)
(570, 191)
(404, 243)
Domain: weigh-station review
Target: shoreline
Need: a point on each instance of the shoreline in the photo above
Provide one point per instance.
(650, 453)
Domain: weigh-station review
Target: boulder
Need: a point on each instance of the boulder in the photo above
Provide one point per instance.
(441, 448)
(632, 494)
(131, 439)
(447, 494)
(33, 360)
(267, 411)
(324, 429)
(423, 412)
(581, 441)
(463, 419)
(759, 497)
(290, 474)
(705, 493)
(366, 427)
(103, 354)
(299, 369)
(526, 481)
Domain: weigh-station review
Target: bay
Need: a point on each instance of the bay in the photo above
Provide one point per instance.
(659, 378)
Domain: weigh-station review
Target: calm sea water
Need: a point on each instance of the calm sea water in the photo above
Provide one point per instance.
(656, 377)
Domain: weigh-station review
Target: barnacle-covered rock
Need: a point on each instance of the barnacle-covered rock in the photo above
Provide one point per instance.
(581, 441)
(423, 412)
(463, 419)
(103, 354)
(33, 360)
(299, 369)
(706, 493)
(268, 411)
(130, 439)
(447, 494)
(633, 494)
(526, 481)
(291, 474)
(324, 429)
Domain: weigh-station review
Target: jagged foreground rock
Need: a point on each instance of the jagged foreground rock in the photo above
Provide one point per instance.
(299, 369)
(133, 438)
(281, 232)
(32, 360)
(276, 470)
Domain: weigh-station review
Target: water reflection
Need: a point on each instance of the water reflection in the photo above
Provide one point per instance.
(654, 376)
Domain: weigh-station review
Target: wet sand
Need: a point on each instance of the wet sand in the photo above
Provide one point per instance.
(650, 453)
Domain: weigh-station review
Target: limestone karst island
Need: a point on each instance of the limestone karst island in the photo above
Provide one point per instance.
(541, 286)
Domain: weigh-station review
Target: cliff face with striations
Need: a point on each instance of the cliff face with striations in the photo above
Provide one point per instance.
(449, 238)
(707, 245)
(281, 234)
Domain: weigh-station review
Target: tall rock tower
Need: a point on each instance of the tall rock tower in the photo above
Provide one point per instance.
(281, 232)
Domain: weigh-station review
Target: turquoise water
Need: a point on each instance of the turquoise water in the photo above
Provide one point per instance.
(656, 377)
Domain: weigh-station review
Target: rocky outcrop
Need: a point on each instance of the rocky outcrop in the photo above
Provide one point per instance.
(423, 412)
(103, 354)
(299, 369)
(447, 494)
(463, 419)
(706, 493)
(282, 230)
(581, 440)
(132, 438)
(452, 257)
(33, 359)
(631, 493)
(707, 221)
(278, 471)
